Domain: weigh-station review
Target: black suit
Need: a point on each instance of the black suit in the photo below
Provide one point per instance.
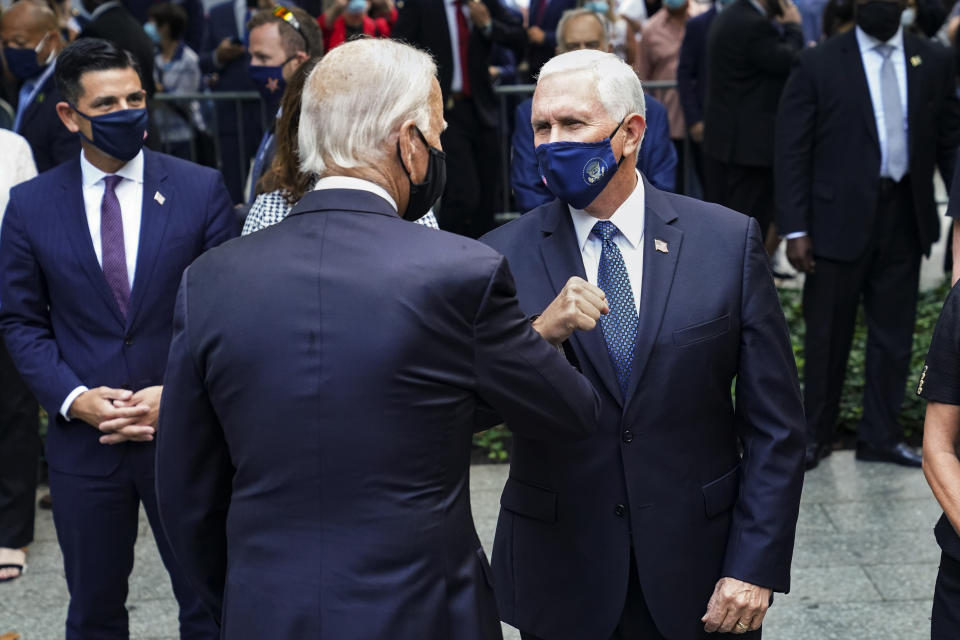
(50, 141)
(118, 25)
(748, 61)
(868, 233)
(470, 140)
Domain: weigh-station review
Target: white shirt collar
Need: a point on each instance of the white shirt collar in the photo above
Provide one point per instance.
(358, 184)
(628, 218)
(868, 42)
(133, 170)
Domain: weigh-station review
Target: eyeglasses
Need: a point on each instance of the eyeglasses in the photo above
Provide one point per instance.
(287, 16)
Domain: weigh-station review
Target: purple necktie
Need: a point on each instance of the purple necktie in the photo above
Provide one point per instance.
(111, 239)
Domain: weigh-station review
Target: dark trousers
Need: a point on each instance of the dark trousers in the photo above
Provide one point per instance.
(472, 171)
(887, 278)
(19, 453)
(97, 521)
(945, 621)
(749, 190)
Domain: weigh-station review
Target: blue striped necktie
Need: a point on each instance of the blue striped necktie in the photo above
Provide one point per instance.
(620, 325)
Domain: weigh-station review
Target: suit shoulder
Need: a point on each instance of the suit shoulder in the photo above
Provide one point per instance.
(179, 168)
(711, 220)
(518, 231)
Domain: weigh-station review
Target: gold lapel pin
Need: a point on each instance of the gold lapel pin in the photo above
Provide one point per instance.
(660, 245)
(916, 61)
(159, 198)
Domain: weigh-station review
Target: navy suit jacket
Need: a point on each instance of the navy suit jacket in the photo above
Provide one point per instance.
(51, 142)
(657, 159)
(664, 471)
(324, 382)
(60, 320)
(692, 66)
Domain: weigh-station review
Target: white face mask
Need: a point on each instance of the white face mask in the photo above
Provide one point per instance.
(908, 17)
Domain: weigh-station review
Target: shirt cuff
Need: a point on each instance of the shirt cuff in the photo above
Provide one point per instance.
(795, 235)
(65, 407)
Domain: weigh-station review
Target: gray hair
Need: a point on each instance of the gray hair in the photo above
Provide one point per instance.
(615, 83)
(356, 97)
(573, 14)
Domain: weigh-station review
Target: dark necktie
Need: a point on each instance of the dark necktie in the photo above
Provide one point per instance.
(111, 242)
(620, 325)
(463, 38)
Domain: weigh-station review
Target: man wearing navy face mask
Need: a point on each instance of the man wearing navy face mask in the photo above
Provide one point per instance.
(676, 519)
(91, 253)
(281, 40)
(31, 42)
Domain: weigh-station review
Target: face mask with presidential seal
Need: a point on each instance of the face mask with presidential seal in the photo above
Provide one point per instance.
(576, 172)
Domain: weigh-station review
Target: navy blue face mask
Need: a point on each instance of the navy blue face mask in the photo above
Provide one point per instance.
(23, 63)
(270, 84)
(576, 172)
(119, 134)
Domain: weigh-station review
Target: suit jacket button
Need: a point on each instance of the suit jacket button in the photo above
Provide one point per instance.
(620, 510)
(628, 436)
(128, 341)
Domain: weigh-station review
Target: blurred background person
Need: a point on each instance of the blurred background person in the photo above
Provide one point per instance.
(657, 159)
(543, 16)
(110, 20)
(176, 71)
(346, 19)
(193, 33)
(838, 17)
(31, 44)
(460, 36)
(940, 386)
(657, 57)
(19, 411)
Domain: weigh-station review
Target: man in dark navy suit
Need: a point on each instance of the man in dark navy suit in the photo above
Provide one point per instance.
(677, 518)
(31, 43)
(543, 20)
(90, 255)
(326, 377)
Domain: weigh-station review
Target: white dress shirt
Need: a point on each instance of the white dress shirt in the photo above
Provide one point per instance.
(872, 61)
(628, 218)
(456, 83)
(16, 165)
(130, 195)
(359, 184)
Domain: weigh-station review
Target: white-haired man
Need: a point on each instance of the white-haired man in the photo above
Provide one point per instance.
(677, 517)
(327, 374)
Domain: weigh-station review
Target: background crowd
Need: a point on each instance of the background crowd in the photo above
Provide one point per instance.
(825, 120)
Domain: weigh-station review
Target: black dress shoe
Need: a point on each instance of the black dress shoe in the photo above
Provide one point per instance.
(814, 453)
(899, 453)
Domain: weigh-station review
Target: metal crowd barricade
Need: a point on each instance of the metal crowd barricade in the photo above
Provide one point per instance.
(523, 91)
(212, 122)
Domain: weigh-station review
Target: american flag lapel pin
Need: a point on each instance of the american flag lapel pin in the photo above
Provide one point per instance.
(159, 198)
(660, 245)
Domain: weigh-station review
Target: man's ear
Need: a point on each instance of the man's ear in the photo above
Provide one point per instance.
(634, 127)
(407, 145)
(65, 112)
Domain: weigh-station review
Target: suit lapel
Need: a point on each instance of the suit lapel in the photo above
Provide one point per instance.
(153, 223)
(857, 75)
(74, 216)
(659, 268)
(914, 87)
(561, 257)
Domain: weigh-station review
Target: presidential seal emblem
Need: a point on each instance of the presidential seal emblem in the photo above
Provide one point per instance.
(594, 170)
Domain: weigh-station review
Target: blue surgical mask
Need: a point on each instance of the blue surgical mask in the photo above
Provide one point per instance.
(23, 63)
(576, 172)
(151, 30)
(674, 4)
(270, 84)
(597, 6)
(119, 134)
(357, 6)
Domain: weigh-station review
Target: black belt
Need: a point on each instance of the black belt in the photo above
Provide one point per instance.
(888, 185)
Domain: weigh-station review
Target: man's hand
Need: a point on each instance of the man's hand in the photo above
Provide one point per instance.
(800, 254)
(696, 132)
(140, 428)
(479, 14)
(227, 51)
(579, 306)
(736, 607)
(790, 13)
(105, 405)
(536, 35)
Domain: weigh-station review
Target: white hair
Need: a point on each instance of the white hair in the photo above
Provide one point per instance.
(356, 97)
(615, 83)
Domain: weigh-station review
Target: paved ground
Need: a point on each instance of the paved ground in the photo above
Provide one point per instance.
(864, 565)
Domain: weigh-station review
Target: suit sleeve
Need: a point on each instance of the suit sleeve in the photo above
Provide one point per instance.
(688, 80)
(658, 157)
(770, 50)
(525, 379)
(221, 222)
(193, 467)
(770, 424)
(793, 150)
(524, 172)
(948, 124)
(25, 316)
(507, 28)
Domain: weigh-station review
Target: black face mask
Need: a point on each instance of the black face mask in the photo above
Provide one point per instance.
(879, 18)
(425, 195)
